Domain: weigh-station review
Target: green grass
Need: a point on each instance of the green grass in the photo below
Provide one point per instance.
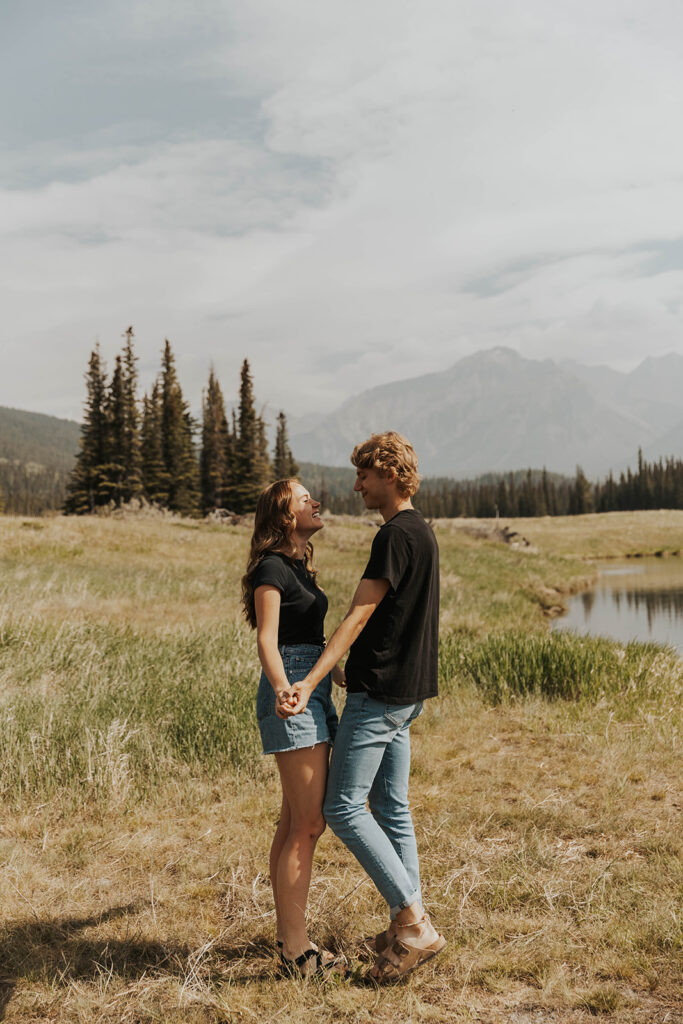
(123, 656)
(107, 712)
(563, 666)
(122, 710)
(128, 674)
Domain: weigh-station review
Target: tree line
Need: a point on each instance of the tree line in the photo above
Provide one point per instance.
(155, 450)
(540, 493)
(520, 494)
(27, 489)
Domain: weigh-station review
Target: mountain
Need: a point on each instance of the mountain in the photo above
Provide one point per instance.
(652, 391)
(496, 411)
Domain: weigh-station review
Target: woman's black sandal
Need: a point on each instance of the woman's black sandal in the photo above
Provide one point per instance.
(312, 964)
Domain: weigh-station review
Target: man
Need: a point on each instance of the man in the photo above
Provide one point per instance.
(391, 629)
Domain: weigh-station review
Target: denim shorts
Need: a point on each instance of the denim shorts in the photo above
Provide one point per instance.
(317, 724)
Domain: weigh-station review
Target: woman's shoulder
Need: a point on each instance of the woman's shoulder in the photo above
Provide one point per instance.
(274, 568)
(275, 558)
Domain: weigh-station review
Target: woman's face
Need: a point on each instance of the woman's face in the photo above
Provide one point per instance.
(306, 510)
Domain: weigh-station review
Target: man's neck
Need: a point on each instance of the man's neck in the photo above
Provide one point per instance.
(392, 509)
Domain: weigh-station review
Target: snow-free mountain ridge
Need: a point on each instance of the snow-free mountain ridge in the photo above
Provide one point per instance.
(496, 411)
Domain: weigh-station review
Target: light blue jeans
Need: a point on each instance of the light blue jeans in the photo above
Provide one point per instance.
(371, 761)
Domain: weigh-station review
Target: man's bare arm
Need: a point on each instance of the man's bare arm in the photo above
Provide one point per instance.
(368, 595)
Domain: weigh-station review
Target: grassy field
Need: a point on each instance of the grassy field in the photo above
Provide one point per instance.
(138, 812)
(603, 535)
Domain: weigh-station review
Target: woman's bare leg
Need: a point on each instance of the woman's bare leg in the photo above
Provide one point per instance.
(278, 843)
(303, 774)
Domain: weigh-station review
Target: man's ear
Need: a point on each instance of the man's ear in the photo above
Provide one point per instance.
(390, 475)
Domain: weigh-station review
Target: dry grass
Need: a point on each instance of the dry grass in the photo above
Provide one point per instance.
(549, 831)
(601, 535)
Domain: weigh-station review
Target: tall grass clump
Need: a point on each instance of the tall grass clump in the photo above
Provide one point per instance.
(561, 666)
(108, 711)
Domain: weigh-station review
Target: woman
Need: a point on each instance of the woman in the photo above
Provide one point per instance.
(286, 607)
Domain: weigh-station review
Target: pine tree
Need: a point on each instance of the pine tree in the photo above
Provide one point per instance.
(177, 441)
(580, 496)
(252, 465)
(546, 508)
(263, 470)
(85, 490)
(323, 493)
(132, 456)
(512, 496)
(284, 466)
(526, 496)
(502, 498)
(216, 455)
(113, 471)
(155, 479)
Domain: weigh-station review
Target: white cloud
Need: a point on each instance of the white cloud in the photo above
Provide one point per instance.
(413, 182)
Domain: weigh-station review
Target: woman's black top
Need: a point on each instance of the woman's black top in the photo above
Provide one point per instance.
(303, 606)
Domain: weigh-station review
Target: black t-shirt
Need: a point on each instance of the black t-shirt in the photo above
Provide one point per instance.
(395, 658)
(303, 606)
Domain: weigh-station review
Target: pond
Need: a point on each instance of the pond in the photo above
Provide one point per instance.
(636, 599)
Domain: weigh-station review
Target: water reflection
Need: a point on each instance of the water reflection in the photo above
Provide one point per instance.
(642, 601)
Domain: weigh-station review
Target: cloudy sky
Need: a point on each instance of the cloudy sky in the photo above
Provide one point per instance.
(345, 193)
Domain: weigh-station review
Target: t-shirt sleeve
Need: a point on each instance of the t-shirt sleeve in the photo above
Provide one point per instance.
(271, 572)
(389, 557)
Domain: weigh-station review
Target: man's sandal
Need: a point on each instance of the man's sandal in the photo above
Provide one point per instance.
(314, 964)
(401, 957)
(378, 943)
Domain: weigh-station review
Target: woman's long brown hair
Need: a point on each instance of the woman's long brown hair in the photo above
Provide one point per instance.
(274, 524)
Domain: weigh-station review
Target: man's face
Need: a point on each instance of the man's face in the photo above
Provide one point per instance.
(372, 487)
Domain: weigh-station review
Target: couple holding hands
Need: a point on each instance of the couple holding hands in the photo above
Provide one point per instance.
(391, 633)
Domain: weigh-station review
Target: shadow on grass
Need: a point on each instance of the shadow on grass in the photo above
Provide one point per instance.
(54, 952)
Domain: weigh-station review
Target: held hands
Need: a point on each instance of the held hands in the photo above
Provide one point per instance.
(282, 700)
(294, 700)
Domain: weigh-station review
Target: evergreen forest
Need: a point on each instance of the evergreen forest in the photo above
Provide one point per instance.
(520, 494)
(156, 451)
(540, 493)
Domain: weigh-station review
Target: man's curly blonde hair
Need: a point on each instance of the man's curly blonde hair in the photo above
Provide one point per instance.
(386, 452)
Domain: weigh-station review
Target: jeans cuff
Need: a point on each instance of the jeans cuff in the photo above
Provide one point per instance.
(395, 911)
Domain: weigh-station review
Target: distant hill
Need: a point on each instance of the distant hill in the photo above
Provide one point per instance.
(495, 411)
(33, 437)
(37, 453)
